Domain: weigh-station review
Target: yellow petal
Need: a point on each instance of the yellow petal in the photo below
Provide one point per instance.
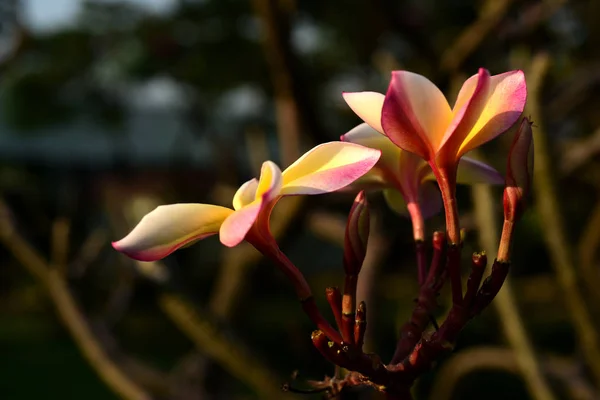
(367, 105)
(269, 184)
(170, 227)
(327, 168)
(366, 136)
(415, 113)
(245, 194)
(504, 105)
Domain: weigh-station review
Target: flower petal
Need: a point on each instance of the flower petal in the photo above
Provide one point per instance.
(469, 105)
(367, 105)
(471, 171)
(236, 226)
(504, 105)
(486, 107)
(270, 181)
(328, 167)
(245, 194)
(170, 227)
(415, 113)
(366, 136)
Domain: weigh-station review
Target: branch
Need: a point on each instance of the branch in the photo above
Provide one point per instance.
(505, 304)
(491, 15)
(217, 346)
(478, 358)
(553, 227)
(68, 311)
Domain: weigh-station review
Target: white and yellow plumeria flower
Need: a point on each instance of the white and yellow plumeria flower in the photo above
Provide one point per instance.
(416, 117)
(406, 179)
(326, 168)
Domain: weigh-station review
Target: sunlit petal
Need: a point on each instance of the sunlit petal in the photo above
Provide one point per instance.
(486, 107)
(170, 227)
(366, 136)
(328, 167)
(367, 105)
(236, 226)
(415, 113)
(245, 194)
(504, 106)
(270, 182)
(471, 171)
(469, 105)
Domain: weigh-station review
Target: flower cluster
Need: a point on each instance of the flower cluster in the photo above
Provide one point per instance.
(410, 146)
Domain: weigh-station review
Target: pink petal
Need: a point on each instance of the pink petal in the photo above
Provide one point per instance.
(367, 105)
(504, 106)
(471, 171)
(236, 226)
(270, 182)
(469, 106)
(415, 113)
(366, 136)
(170, 227)
(327, 168)
(485, 108)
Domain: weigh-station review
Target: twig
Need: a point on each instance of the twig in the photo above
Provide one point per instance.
(377, 249)
(238, 262)
(505, 304)
(277, 50)
(212, 342)
(554, 228)
(478, 358)
(587, 249)
(492, 13)
(69, 313)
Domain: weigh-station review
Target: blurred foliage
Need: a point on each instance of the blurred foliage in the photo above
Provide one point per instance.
(89, 76)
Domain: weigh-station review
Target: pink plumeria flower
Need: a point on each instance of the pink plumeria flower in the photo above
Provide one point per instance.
(326, 168)
(407, 180)
(416, 117)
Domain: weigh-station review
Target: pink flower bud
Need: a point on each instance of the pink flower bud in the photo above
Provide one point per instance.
(357, 235)
(519, 174)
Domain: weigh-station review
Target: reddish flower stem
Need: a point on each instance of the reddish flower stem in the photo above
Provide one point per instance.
(264, 242)
(505, 241)
(411, 332)
(348, 308)
(360, 325)
(334, 298)
(479, 262)
(416, 217)
(447, 184)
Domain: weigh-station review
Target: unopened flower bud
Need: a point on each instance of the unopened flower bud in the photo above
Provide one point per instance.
(357, 235)
(519, 174)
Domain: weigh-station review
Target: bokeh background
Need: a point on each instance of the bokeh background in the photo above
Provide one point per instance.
(110, 108)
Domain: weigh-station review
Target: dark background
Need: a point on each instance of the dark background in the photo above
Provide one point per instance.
(124, 106)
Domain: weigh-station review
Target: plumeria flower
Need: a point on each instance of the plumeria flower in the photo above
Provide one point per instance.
(326, 168)
(416, 117)
(407, 181)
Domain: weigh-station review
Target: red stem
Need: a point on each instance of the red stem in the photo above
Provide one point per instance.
(334, 298)
(349, 307)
